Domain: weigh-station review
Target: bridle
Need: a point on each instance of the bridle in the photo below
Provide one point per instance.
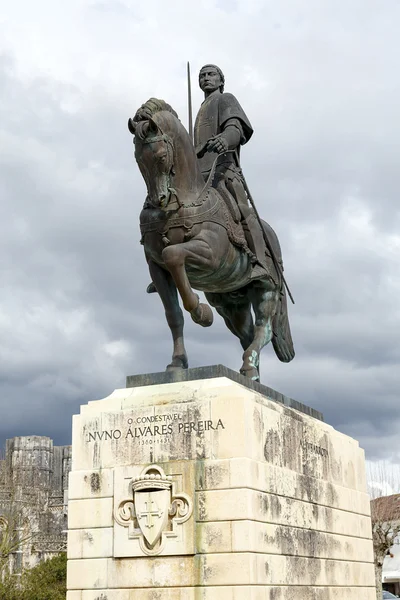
(163, 137)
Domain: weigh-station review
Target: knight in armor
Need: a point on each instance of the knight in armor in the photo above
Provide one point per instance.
(222, 125)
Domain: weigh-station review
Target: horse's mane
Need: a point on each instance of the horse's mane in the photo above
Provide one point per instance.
(151, 107)
(147, 111)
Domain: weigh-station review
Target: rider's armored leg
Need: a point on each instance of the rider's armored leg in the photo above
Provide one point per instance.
(251, 227)
(254, 236)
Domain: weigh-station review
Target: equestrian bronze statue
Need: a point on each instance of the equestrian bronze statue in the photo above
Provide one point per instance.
(201, 230)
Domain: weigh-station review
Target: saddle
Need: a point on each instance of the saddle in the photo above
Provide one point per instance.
(214, 207)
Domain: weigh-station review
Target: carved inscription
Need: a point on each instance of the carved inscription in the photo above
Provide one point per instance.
(314, 448)
(155, 429)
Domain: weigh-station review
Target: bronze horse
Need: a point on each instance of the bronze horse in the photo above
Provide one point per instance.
(192, 238)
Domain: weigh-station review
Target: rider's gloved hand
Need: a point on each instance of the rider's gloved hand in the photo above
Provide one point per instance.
(218, 144)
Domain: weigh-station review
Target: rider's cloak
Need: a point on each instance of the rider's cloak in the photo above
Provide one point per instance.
(215, 112)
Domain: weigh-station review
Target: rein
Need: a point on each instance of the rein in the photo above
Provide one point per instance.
(210, 178)
(158, 138)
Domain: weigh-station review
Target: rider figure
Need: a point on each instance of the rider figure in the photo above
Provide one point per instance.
(222, 125)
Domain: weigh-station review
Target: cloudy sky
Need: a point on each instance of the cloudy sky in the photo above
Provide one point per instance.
(319, 80)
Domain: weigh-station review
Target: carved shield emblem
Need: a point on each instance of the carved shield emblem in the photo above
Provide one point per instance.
(152, 513)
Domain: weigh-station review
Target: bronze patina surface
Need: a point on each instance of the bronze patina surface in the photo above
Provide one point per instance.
(200, 227)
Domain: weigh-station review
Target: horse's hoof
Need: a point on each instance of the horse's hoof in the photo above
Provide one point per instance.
(251, 373)
(178, 364)
(203, 315)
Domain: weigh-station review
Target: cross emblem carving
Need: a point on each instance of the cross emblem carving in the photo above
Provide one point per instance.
(149, 513)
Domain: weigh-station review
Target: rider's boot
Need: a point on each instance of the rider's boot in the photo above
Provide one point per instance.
(255, 240)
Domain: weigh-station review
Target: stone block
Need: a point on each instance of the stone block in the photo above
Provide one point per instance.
(90, 513)
(267, 538)
(318, 593)
(156, 572)
(216, 537)
(235, 569)
(90, 543)
(142, 594)
(165, 594)
(74, 595)
(107, 594)
(87, 574)
(91, 484)
(234, 505)
(211, 376)
(253, 592)
(217, 490)
(237, 473)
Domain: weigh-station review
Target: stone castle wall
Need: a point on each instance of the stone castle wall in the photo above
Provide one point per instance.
(33, 497)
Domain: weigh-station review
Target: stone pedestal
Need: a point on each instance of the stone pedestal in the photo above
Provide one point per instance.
(214, 489)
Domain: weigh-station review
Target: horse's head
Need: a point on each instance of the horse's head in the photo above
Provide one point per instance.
(154, 153)
(165, 155)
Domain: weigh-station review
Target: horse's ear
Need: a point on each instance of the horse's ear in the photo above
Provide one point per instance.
(153, 127)
(132, 126)
(142, 129)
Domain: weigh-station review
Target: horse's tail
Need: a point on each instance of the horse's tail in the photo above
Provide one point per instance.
(281, 335)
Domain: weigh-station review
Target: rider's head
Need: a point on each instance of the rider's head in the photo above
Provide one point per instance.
(211, 78)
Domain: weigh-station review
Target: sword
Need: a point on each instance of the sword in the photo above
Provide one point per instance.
(190, 103)
(277, 265)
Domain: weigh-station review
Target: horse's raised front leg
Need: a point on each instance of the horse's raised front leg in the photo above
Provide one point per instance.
(167, 291)
(199, 254)
(264, 306)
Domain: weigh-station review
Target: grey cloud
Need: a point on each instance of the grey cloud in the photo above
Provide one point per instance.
(319, 87)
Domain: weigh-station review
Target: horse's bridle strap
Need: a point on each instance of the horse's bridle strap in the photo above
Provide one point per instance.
(158, 138)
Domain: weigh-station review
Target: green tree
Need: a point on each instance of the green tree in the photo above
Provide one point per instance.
(9, 587)
(46, 581)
